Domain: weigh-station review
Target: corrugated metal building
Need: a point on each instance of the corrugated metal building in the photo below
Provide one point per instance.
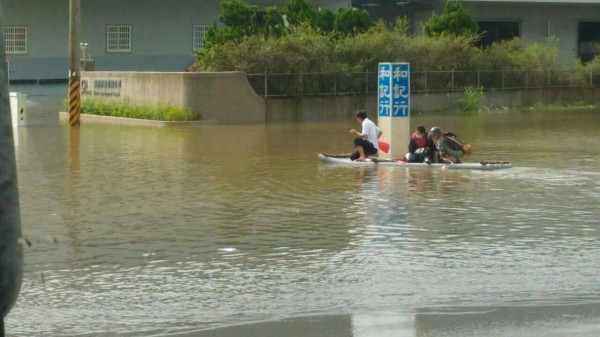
(161, 35)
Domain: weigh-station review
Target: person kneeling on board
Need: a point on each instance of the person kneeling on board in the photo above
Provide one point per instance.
(449, 148)
(366, 140)
(418, 147)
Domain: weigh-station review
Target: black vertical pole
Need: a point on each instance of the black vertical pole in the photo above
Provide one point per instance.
(11, 250)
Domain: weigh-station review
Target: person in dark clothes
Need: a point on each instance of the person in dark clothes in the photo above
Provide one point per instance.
(418, 147)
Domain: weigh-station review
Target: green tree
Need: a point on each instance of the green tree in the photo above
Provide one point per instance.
(325, 20)
(350, 21)
(299, 11)
(215, 36)
(455, 20)
(274, 24)
(239, 16)
(240, 20)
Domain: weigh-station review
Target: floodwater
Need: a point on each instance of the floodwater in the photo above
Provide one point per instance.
(219, 231)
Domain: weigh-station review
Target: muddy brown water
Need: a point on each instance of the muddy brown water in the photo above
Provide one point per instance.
(240, 231)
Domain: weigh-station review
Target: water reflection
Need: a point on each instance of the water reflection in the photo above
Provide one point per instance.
(215, 230)
(72, 195)
(549, 321)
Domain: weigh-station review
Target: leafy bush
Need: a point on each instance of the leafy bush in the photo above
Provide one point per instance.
(504, 55)
(325, 20)
(307, 49)
(124, 108)
(455, 20)
(350, 21)
(311, 46)
(471, 100)
(299, 12)
(442, 53)
(364, 51)
(240, 20)
(301, 50)
(586, 74)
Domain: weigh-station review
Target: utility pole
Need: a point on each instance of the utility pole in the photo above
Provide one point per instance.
(74, 63)
(11, 241)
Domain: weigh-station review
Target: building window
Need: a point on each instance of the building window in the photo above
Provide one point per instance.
(496, 31)
(118, 39)
(15, 40)
(588, 40)
(199, 34)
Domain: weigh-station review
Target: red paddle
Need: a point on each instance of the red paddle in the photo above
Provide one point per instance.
(385, 147)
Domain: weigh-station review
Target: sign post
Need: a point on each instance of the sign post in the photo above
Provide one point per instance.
(393, 106)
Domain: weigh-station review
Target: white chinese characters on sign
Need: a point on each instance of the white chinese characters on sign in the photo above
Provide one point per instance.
(394, 90)
(384, 92)
(401, 90)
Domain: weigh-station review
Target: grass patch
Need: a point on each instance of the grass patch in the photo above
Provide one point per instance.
(471, 100)
(124, 108)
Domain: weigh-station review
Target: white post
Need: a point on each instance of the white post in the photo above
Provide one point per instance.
(83, 46)
(393, 105)
(18, 109)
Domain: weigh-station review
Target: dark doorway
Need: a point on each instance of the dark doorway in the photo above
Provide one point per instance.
(390, 10)
(588, 40)
(496, 31)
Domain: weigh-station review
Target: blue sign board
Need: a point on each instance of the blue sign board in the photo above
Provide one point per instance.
(393, 90)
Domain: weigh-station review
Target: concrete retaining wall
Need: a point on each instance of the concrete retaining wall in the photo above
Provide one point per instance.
(561, 96)
(316, 109)
(228, 97)
(335, 108)
(225, 97)
(451, 101)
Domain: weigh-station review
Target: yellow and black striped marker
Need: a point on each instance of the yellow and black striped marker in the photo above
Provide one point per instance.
(74, 102)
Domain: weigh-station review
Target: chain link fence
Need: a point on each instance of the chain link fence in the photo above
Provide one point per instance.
(328, 84)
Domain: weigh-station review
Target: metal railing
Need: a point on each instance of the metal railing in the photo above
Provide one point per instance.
(328, 84)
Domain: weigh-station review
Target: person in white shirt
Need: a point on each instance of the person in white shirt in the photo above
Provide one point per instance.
(366, 143)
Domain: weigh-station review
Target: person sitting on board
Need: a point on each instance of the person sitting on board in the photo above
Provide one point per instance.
(366, 140)
(418, 147)
(435, 133)
(449, 149)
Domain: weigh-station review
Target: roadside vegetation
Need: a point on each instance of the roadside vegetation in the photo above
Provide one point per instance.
(298, 39)
(472, 99)
(125, 108)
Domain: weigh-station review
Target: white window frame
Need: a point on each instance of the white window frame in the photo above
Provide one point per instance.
(118, 38)
(199, 35)
(15, 40)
